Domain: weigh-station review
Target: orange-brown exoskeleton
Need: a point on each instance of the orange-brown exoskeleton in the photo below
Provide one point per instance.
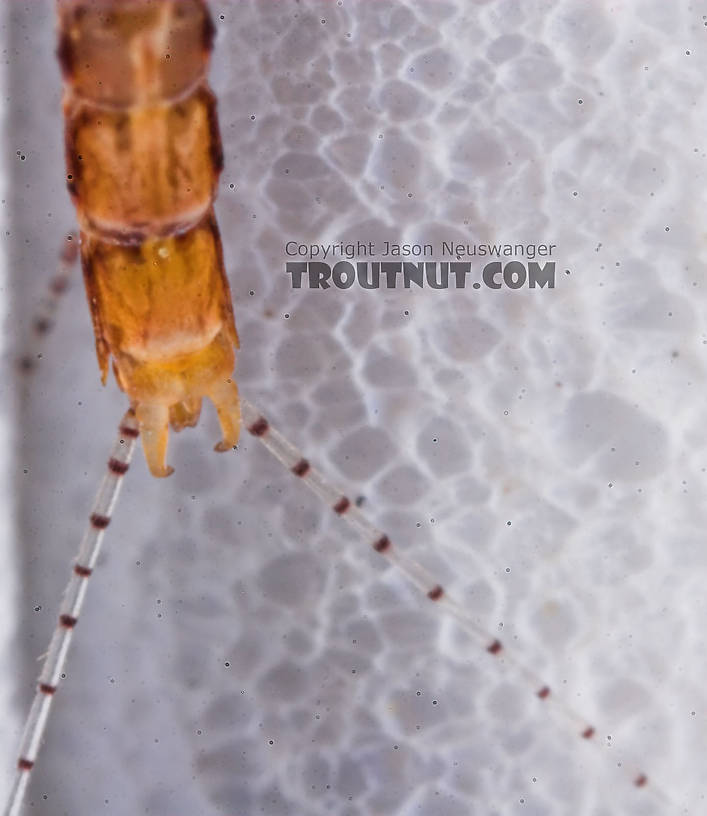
(143, 154)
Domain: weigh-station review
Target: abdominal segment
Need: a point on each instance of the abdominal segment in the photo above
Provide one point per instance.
(143, 160)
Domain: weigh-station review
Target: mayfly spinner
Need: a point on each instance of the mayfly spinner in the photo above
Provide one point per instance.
(232, 662)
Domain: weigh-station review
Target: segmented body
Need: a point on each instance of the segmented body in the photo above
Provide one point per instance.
(143, 154)
(206, 559)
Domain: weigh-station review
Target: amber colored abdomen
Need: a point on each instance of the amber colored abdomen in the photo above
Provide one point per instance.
(143, 159)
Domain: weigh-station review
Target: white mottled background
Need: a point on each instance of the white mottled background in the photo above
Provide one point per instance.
(230, 610)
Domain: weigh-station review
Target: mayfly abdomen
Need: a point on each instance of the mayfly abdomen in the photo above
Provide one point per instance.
(143, 159)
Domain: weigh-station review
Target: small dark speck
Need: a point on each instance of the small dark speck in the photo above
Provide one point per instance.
(287, 315)
(227, 665)
(580, 101)
(252, 118)
(567, 272)
(251, 293)
(359, 501)
(508, 524)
